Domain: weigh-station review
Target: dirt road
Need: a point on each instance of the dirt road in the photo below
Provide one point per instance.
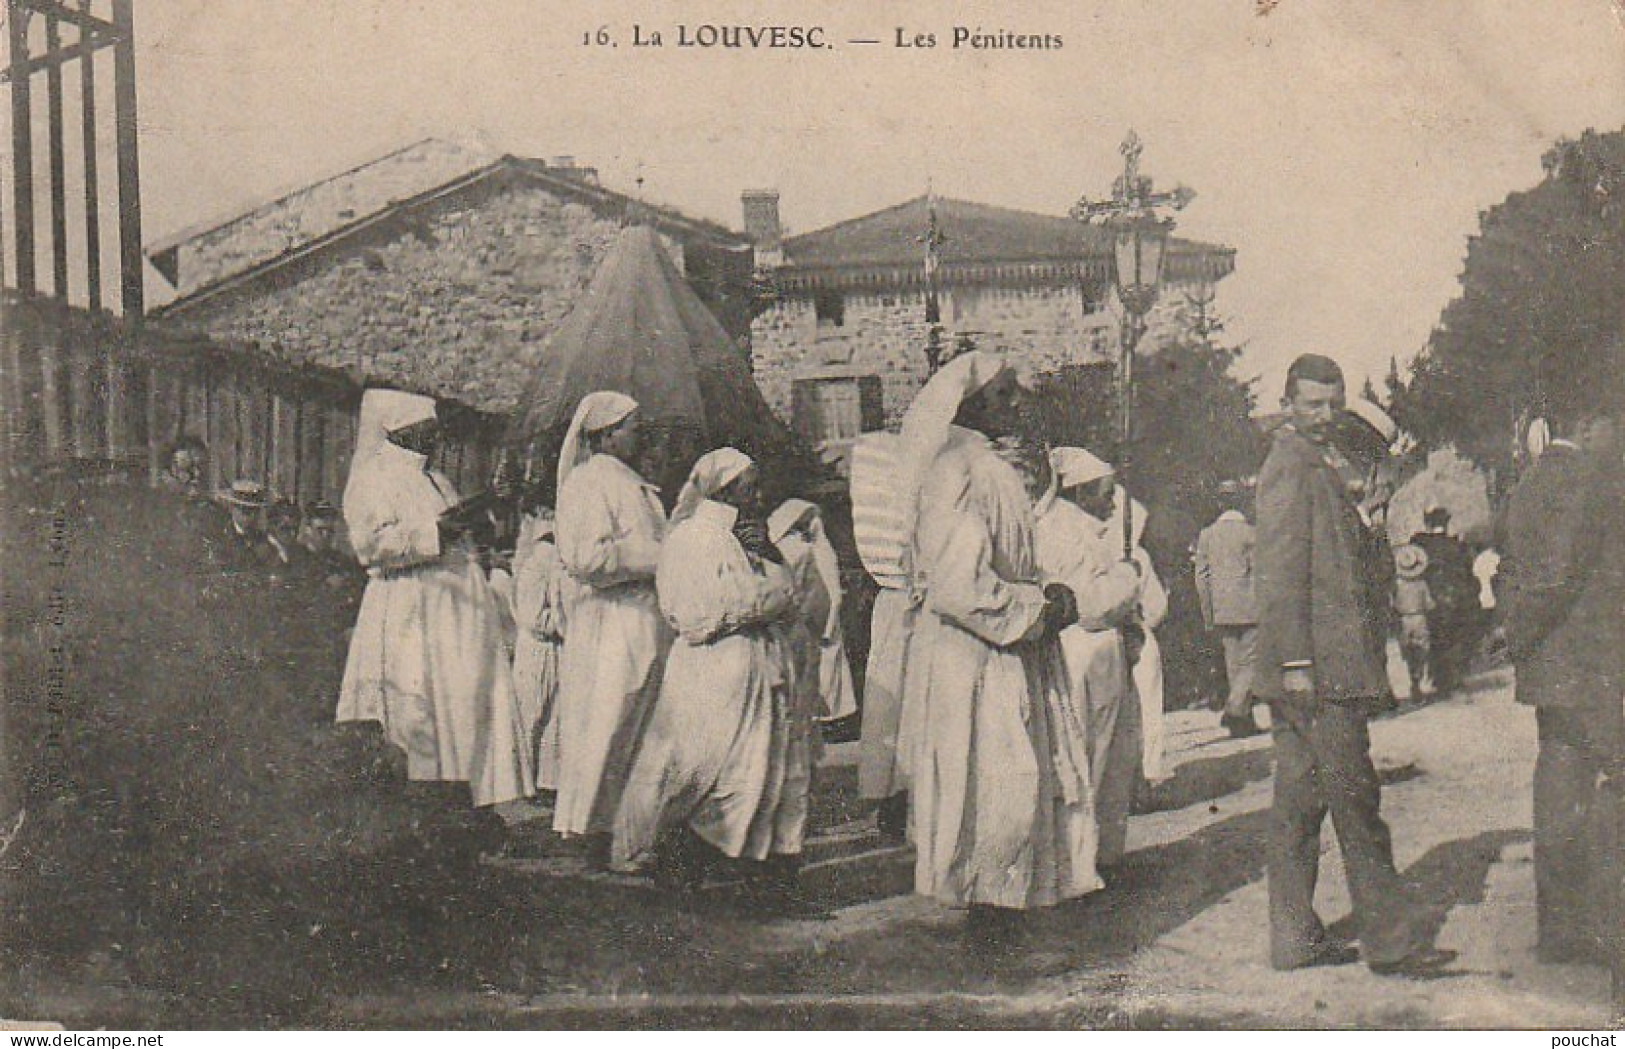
(207, 849)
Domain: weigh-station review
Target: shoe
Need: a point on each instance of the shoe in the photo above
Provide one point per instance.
(1420, 963)
(1240, 726)
(891, 819)
(1327, 953)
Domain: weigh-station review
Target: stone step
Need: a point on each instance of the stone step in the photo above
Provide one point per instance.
(842, 864)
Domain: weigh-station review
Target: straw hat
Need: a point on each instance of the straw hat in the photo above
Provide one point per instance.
(1410, 561)
(247, 494)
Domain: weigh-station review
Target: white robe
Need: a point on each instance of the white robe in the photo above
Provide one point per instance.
(889, 730)
(1003, 810)
(821, 648)
(1147, 673)
(729, 749)
(1085, 554)
(539, 603)
(610, 525)
(427, 659)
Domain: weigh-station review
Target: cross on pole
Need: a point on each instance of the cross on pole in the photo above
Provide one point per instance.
(1131, 191)
(933, 239)
(1139, 240)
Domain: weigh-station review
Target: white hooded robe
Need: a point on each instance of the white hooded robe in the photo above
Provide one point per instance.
(427, 659)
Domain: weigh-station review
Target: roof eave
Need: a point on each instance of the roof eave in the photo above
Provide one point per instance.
(299, 252)
(664, 219)
(1185, 264)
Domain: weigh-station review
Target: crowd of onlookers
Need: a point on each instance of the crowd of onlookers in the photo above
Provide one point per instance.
(1442, 602)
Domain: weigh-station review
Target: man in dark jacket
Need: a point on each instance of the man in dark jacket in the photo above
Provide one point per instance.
(1562, 585)
(1321, 669)
(1452, 623)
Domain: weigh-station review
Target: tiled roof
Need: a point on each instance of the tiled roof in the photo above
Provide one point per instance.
(981, 241)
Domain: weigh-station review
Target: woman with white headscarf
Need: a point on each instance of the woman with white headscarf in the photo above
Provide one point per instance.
(427, 658)
(1080, 544)
(1003, 813)
(729, 750)
(540, 589)
(797, 529)
(609, 530)
(1147, 672)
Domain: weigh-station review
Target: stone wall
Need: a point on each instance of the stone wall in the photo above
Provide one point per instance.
(1041, 328)
(457, 305)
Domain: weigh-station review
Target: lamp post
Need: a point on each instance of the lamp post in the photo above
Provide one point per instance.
(1139, 247)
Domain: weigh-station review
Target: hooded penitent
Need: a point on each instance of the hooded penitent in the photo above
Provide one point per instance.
(427, 660)
(609, 530)
(797, 529)
(729, 747)
(999, 783)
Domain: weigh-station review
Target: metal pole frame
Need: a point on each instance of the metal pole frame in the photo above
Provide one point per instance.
(1134, 327)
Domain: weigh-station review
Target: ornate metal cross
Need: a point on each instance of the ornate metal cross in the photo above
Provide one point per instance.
(1131, 191)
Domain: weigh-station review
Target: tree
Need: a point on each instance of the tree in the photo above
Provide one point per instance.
(1193, 430)
(1193, 418)
(1537, 324)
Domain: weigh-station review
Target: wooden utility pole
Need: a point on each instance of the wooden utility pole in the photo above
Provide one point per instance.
(129, 163)
(94, 33)
(22, 145)
(55, 153)
(93, 220)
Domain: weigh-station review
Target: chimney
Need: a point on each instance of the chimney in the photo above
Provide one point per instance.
(566, 167)
(761, 208)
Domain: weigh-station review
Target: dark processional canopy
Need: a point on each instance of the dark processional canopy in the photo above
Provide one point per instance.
(639, 328)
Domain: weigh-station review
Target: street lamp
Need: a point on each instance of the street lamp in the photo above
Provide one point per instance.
(1139, 248)
(1139, 245)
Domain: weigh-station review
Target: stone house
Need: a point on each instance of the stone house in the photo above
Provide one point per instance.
(435, 269)
(842, 348)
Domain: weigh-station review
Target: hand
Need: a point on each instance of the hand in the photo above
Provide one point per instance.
(1061, 607)
(1298, 681)
(752, 535)
(1125, 615)
(1133, 640)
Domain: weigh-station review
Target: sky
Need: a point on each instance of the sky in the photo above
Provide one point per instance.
(1345, 150)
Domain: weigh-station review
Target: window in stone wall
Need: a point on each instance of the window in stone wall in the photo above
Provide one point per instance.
(830, 309)
(1096, 296)
(831, 409)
